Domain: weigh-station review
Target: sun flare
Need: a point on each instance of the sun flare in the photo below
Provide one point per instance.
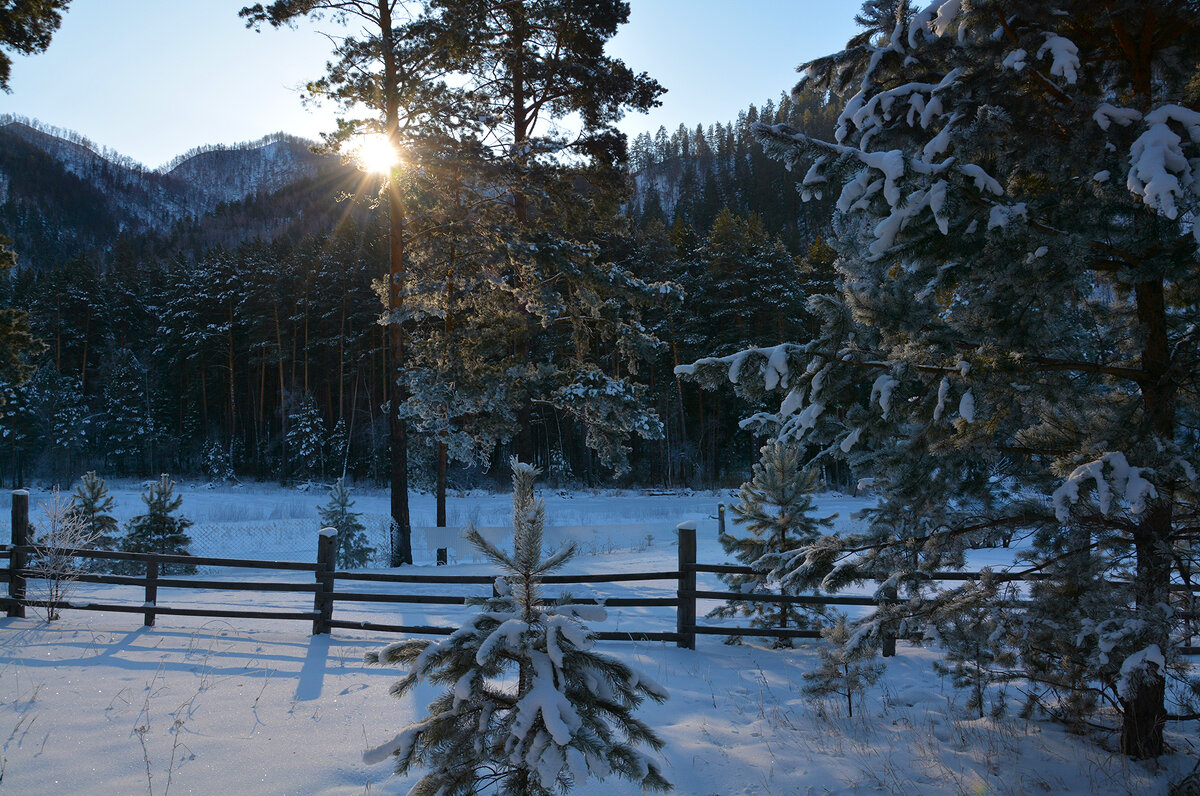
(375, 154)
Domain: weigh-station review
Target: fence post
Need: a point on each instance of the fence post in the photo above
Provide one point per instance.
(322, 602)
(686, 613)
(889, 644)
(441, 556)
(151, 591)
(721, 519)
(16, 564)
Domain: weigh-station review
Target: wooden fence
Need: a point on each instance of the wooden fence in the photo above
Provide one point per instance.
(331, 586)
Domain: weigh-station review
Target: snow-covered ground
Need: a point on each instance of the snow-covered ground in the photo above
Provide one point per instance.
(95, 703)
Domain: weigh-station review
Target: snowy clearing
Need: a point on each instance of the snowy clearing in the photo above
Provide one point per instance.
(95, 703)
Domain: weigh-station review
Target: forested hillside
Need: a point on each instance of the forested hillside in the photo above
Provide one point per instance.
(220, 316)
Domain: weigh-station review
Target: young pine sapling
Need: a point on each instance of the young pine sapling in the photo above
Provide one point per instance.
(529, 706)
(847, 668)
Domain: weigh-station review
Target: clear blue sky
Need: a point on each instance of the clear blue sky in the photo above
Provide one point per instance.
(153, 78)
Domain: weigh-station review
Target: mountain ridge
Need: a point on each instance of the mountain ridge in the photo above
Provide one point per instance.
(62, 195)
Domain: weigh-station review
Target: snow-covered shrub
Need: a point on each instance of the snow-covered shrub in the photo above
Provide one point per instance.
(55, 570)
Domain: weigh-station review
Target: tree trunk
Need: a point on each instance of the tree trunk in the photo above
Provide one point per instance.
(441, 485)
(1145, 708)
(398, 429)
(1144, 711)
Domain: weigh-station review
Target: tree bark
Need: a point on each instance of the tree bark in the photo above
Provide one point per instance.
(441, 485)
(398, 393)
(1144, 709)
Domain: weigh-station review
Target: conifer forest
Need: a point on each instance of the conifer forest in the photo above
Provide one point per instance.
(927, 324)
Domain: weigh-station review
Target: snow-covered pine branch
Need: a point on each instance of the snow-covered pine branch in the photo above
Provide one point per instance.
(1017, 190)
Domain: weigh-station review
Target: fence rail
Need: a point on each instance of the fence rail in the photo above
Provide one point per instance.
(326, 578)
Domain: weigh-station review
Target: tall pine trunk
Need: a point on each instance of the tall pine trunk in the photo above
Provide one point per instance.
(398, 393)
(1145, 713)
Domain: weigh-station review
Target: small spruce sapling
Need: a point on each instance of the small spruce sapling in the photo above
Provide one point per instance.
(92, 505)
(529, 707)
(159, 530)
(776, 507)
(218, 462)
(352, 548)
(847, 669)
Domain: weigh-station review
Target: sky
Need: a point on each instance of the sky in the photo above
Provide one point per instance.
(152, 79)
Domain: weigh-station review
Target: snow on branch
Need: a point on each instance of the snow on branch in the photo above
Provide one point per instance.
(1064, 55)
(1106, 114)
(1113, 477)
(1159, 171)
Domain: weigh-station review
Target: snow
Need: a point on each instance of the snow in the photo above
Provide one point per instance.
(1064, 55)
(1113, 477)
(966, 407)
(260, 706)
(943, 393)
(1107, 113)
(1136, 663)
(1015, 60)
(983, 180)
(1000, 215)
(1159, 171)
(881, 390)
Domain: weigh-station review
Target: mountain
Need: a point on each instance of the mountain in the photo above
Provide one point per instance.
(62, 195)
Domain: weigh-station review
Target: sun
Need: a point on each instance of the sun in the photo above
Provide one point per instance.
(375, 154)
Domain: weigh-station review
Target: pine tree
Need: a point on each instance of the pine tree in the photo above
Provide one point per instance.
(571, 715)
(776, 507)
(17, 343)
(218, 464)
(1015, 346)
(26, 28)
(847, 667)
(306, 439)
(979, 653)
(352, 548)
(127, 429)
(528, 72)
(91, 504)
(159, 530)
(392, 69)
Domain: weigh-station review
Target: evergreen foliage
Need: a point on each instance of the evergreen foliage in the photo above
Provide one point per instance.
(847, 667)
(776, 507)
(126, 422)
(91, 505)
(230, 334)
(26, 28)
(571, 713)
(159, 530)
(17, 343)
(352, 548)
(218, 464)
(306, 439)
(979, 654)
(1015, 346)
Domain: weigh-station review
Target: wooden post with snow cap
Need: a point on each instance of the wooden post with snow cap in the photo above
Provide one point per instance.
(686, 612)
(16, 564)
(322, 601)
(720, 519)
